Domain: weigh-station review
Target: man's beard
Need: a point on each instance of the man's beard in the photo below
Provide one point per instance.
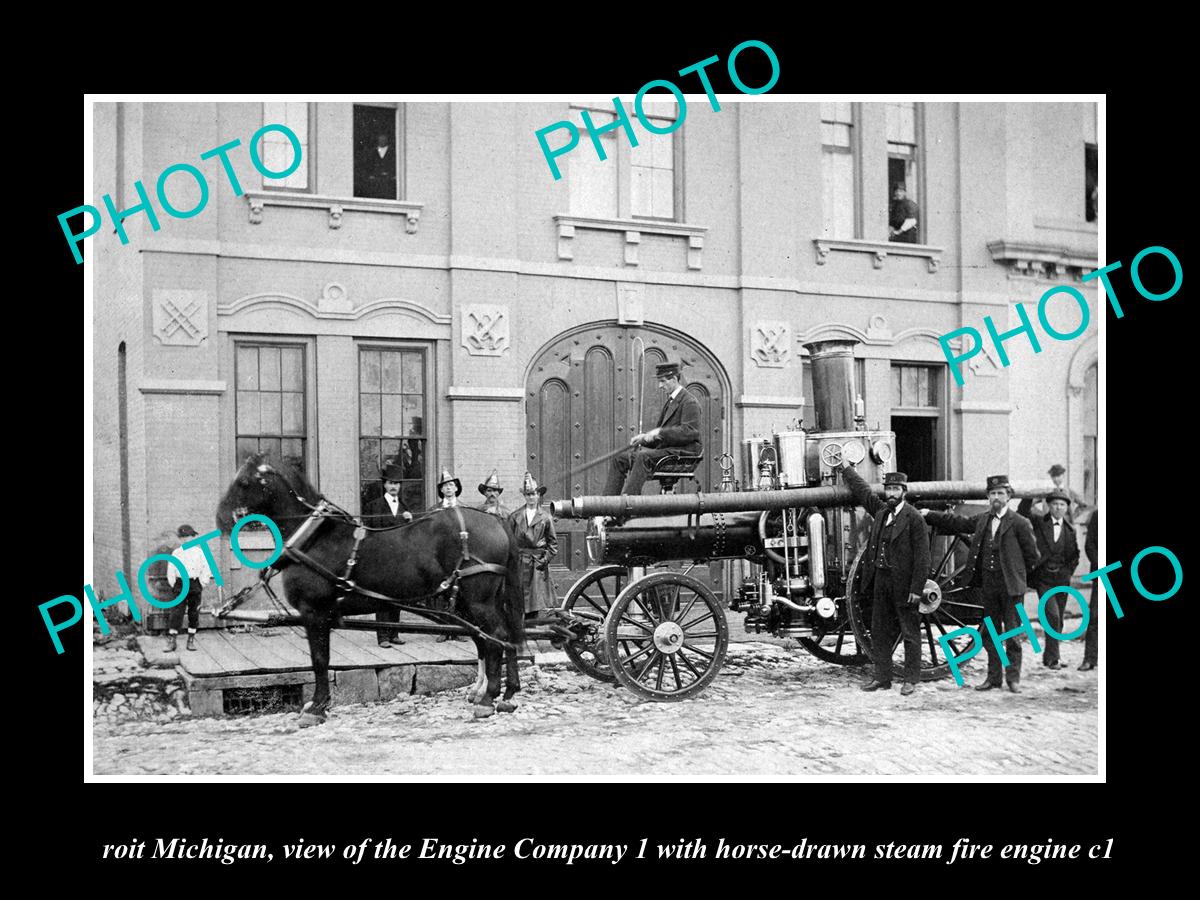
(893, 502)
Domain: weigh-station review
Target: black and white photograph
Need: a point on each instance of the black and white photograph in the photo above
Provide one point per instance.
(738, 436)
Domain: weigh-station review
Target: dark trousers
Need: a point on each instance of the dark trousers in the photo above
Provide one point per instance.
(191, 603)
(1054, 618)
(1091, 641)
(887, 618)
(387, 615)
(1002, 608)
(630, 469)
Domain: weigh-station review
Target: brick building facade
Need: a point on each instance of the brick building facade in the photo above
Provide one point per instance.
(454, 305)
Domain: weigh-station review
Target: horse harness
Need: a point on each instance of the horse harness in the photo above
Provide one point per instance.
(468, 565)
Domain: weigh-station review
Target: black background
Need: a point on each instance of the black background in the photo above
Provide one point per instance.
(1149, 696)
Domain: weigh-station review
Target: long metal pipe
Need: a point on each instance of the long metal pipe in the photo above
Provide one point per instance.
(627, 507)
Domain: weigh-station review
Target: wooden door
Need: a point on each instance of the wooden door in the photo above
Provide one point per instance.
(582, 401)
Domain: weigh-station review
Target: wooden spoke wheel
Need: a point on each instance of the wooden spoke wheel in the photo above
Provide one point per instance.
(590, 599)
(958, 607)
(838, 644)
(672, 633)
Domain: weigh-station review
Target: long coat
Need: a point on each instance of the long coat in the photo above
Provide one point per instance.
(1058, 560)
(1018, 548)
(538, 545)
(908, 553)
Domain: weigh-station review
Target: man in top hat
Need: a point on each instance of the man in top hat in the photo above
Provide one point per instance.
(491, 491)
(384, 511)
(194, 561)
(1003, 550)
(677, 431)
(895, 566)
(449, 489)
(388, 508)
(1059, 553)
(538, 544)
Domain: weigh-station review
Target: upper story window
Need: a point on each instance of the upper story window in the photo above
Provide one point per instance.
(904, 218)
(1091, 166)
(377, 152)
(639, 182)
(837, 170)
(276, 149)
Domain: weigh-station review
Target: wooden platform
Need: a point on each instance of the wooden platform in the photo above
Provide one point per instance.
(277, 658)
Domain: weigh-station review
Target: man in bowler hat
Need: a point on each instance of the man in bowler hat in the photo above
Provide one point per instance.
(1059, 553)
(677, 431)
(384, 511)
(1003, 550)
(895, 566)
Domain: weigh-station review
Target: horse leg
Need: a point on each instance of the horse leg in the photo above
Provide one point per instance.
(475, 695)
(492, 665)
(317, 627)
(512, 683)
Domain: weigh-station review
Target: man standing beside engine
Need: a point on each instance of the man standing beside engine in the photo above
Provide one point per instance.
(1059, 556)
(1003, 550)
(895, 566)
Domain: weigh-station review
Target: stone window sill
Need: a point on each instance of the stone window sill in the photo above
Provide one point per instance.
(881, 250)
(337, 207)
(633, 229)
(1022, 258)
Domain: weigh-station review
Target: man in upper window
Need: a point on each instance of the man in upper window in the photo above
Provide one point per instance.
(902, 217)
(376, 174)
(677, 431)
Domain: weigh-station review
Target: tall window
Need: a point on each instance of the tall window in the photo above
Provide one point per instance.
(652, 171)
(917, 417)
(270, 402)
(903, 150)
(377, 143)
(632, 182)
(392, 405)
(277, 151)
(837, 170)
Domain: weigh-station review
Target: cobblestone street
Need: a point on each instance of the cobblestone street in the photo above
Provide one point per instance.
(772, 711)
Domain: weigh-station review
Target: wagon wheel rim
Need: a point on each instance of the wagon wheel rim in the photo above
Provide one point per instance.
(957, 610)
(678, 632)
(590, 598)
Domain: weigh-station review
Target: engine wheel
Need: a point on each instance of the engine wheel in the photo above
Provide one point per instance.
(958, 608)
(590, 599)
(677, 631)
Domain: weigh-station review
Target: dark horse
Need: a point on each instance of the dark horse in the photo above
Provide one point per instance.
(407, 562)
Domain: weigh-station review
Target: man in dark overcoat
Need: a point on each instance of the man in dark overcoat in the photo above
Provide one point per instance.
(1091, 649)
(538, 544)
(895, 566)
(1059, 552)
(677, 431)
(384, 511)
(1003, 552)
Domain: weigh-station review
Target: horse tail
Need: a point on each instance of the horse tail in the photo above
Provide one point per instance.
(514, 594)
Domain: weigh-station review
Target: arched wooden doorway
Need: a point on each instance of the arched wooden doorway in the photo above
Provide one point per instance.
(581, 401)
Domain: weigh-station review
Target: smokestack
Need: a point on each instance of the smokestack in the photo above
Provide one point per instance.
(833, 383)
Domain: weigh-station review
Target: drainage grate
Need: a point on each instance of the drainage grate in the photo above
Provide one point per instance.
(280, 698)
